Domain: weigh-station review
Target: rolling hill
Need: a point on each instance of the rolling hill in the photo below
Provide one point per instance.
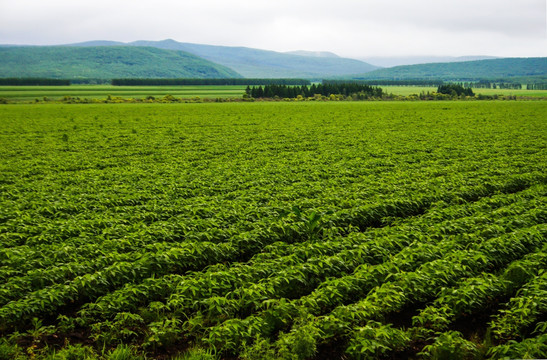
(106, 62)
(256, 63)
(506, 68)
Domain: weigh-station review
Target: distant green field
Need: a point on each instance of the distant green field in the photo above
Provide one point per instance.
(26, 93)
(409, 90)
(102, 91)
(532, 93)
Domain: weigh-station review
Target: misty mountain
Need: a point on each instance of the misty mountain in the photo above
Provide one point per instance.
(256, 63)
(106, 62)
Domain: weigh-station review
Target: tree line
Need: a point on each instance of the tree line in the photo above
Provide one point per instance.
(481, 84)
(538, 86)
(455, 90)
(489, 84)
(234, 81)
(417, 82)
(284, 91)
(33, 82)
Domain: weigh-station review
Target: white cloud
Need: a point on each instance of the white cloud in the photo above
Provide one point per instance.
(348, 27)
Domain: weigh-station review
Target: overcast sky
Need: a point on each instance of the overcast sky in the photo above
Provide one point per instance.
(352, 28)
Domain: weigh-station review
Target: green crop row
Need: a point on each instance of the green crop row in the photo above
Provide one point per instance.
(274, 230)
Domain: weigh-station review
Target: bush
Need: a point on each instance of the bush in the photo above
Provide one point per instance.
(450, 346)
(9, 351)
(75, 352)
(123, 352)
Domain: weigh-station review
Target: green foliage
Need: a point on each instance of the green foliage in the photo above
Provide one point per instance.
(305, 342)
(273, 230)
(260, 349)
(450, 346)
(291, 92)
(455, 90)
(123, 352)
(375, 340)
(163, 333)
(523, 310)
(197, 354)
(9, 351)
(125, 327)
(532, 348)
(74, 352)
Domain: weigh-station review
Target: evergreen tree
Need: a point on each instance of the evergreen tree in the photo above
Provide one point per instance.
(259, 92)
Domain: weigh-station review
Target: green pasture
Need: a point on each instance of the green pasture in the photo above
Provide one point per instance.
(29, 93)
(410, 90)
(102, 91)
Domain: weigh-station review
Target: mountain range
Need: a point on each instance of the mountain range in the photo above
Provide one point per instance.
(256, 63)
(171, 59)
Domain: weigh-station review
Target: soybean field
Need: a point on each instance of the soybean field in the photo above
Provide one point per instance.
(275, 230)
